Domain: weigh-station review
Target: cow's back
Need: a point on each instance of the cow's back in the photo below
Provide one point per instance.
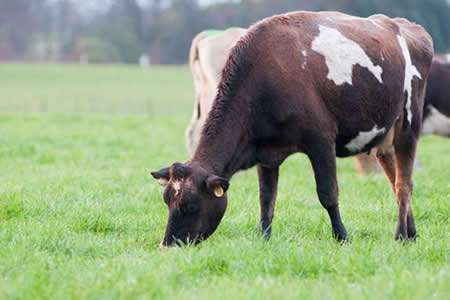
(329, 61)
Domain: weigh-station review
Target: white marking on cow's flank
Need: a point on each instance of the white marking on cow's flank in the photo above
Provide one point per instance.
(363, 138)
(448, 57)
(305, 56)
(341, 54)
(410, 72)
(382, 56)
(436, 123)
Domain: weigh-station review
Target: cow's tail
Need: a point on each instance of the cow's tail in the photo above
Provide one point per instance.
(193, 52)
(194, 64)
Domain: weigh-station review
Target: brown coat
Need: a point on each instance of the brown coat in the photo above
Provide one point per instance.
(325, 84)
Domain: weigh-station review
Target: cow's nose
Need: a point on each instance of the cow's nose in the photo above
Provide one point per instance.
(162, 246)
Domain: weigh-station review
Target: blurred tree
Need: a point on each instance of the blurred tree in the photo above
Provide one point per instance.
(124, 29)
(95, 50)
(17, 21)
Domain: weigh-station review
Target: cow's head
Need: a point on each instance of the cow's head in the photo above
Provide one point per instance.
(196, 201)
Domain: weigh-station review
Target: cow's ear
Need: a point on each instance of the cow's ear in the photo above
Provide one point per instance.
(162, 176)
(217, 185)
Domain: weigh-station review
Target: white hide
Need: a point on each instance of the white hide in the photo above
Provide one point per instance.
(305, 56)
(341, 54)
(448, 57)
(363, 138)
(436, 123)
(410, 72)
(176, 185)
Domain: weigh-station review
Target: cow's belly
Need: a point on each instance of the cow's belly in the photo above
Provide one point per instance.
(361, 143)
(361, 138)
(364, 116)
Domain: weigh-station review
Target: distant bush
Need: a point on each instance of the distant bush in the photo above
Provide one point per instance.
(96, 50)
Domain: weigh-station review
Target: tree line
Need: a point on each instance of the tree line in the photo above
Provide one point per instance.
(120, 31)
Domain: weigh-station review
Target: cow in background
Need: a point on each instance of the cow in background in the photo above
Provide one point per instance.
(208, 55)
(436, 112)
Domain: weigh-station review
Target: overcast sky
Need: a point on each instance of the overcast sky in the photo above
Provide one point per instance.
(97, 4)
(93, 5)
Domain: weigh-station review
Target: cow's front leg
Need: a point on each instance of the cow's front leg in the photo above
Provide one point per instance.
(323, 160)
(268, 181)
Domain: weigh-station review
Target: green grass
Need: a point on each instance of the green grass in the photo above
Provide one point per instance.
(95, 89)
(81, 218)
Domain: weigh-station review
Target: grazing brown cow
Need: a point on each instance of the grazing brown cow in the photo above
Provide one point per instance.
(436, 113)
(325, 84)
(208, 55)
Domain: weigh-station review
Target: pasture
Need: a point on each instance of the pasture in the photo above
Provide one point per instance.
(80, 217)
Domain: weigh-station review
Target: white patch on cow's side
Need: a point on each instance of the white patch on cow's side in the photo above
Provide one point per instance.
(448, 57)
(382, 56)
(363, 138)
(176, 185)
(341, 54)
(374, 22)
(410, 72)
(436, 123)
(305, 56)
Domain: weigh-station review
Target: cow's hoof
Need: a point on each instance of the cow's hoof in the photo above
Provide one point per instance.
(412, 233)
(401, 234)
(266, 233)
(342, 238)
(404, 240)
(340, 234)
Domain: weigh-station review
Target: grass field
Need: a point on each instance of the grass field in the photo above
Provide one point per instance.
(80, 218)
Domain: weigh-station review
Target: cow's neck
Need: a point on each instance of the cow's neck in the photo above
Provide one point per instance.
(224, 146)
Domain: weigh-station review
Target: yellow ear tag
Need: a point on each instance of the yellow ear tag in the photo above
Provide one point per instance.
(218, 191)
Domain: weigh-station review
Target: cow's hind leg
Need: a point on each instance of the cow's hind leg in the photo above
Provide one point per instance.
(405, 150)
(323, 160)
(268, 181)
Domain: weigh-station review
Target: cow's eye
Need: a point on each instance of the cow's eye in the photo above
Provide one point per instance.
(190, 204)
(190, 208)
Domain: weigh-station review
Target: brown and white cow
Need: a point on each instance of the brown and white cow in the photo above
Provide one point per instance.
(436, 113)
(325, 84)
(208, 55)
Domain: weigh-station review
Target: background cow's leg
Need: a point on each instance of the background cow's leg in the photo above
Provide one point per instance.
(387, 162)
(366, 164)
(405, 149)
(268, 181)
(323, 160)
